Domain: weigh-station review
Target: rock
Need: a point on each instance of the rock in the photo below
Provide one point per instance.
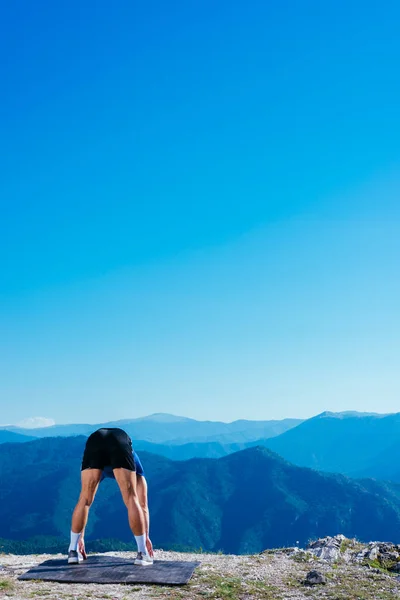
(327, 548)
(366, 554)
(395, 568)
(372, 553)
(314, 578)
(383, 552)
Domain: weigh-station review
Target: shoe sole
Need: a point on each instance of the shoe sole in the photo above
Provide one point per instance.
(75, 561)
(142, 563)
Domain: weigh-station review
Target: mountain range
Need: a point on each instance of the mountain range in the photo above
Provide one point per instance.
(244, 502)
(168, 429)
(12, 436)
(354, 444)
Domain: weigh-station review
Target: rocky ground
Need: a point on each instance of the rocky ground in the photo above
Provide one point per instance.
(331, 568)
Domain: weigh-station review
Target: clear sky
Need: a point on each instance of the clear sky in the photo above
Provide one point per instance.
(200, 208)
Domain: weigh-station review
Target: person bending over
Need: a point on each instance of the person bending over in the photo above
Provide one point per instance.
(108, 453)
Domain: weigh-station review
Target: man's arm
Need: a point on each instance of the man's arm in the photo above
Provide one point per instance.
(141, 488)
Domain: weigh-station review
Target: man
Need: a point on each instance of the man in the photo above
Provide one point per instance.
(108, 453)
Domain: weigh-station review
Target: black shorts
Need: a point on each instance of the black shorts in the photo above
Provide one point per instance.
(108, 448)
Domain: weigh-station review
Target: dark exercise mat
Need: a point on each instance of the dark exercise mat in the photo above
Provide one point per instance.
(111, 569)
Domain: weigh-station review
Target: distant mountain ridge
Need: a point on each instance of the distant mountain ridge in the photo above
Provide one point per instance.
(244, 502)
(163, 428)
(349, 414)
(355, 444)
(341, 443)
(7, 436)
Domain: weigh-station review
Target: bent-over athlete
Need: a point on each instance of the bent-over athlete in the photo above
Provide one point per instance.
(109, 453)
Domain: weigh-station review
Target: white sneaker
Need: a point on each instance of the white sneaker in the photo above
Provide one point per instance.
(143, 559)
(74, 557)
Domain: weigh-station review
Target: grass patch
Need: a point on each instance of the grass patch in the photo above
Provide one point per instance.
(261, 590)
(303, 557)
(293, 581)
(350, 544)
(345, 545)
(330, 576)
(225, 588)
(383, 565)
(353, 585)
(7, 584)
(212, 586)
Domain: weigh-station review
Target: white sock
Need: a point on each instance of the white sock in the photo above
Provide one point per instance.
(74, 541)
(141, 543)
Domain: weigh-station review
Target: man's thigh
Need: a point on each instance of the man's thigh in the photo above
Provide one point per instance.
(90, 479)
(126, 480)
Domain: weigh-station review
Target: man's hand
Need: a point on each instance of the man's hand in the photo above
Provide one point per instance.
(149, 547)
(81, 547)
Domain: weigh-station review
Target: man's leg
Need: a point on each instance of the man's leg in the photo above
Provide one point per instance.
(126, 480)
(127, 484)
(90, 482)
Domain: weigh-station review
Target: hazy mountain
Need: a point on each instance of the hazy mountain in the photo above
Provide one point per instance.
(244, 502)
(356, 444)
(53, 430)
(386, 465)
(243, 431)
(166, 429)
(191, 450)
(11, 436)
(212, 449)
(339, 442)
(316, 443)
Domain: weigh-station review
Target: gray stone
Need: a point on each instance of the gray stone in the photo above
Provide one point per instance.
(314, 578)
(327, 548)
(383, 552)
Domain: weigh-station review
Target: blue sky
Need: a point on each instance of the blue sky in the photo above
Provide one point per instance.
(200, 209)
